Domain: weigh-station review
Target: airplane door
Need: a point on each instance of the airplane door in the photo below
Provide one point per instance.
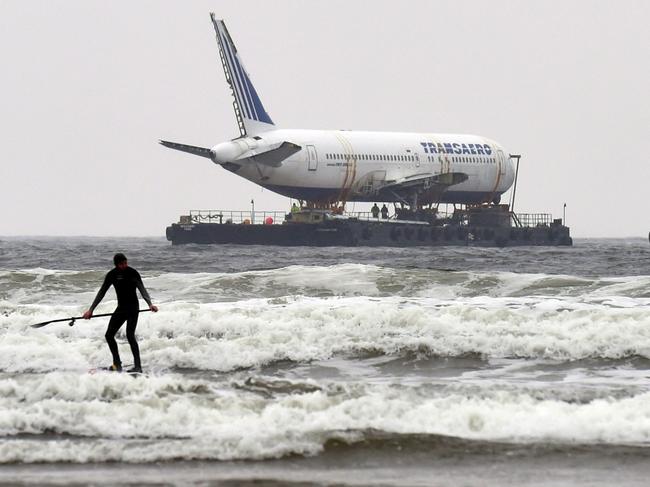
(445, 166)
(502, 163)
(312, 157)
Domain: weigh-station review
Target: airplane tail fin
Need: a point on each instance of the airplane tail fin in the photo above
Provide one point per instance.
(251, 115)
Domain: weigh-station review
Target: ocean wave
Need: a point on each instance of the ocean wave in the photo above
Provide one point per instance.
(258, 332)
(117, 418)
(46, 286)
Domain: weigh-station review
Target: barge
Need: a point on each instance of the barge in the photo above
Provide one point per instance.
(484, 225)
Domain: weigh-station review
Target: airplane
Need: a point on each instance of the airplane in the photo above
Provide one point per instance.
(331, 167)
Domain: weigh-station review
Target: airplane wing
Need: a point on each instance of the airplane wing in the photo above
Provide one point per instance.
(422, 184)
(272, 154)
(425, 181)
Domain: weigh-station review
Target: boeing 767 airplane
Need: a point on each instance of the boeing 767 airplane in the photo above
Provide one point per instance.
(326, 167)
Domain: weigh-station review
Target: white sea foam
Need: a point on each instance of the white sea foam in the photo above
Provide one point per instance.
(119, 418)
(227, 336)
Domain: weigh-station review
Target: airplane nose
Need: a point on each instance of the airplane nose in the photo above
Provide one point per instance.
(225, 152)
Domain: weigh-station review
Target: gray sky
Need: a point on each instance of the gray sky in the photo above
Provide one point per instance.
(88, 87)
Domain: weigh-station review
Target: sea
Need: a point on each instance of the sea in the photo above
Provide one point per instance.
(302, 366)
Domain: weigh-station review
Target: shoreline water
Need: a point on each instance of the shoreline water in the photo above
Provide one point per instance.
(390, 464)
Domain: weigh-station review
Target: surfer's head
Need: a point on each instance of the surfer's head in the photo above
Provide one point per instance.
(119, 260)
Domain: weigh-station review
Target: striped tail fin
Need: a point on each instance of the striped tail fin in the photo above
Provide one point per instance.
(251, 115)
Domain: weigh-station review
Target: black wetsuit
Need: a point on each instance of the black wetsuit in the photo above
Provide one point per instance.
(125, 283)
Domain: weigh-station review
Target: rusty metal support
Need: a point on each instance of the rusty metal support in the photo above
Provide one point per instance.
(514, 188)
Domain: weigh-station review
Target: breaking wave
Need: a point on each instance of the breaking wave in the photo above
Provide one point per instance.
(172, 418)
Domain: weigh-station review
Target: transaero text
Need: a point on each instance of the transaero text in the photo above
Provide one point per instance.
(455, 148)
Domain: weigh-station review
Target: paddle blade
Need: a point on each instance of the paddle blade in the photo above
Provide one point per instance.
(40, 325)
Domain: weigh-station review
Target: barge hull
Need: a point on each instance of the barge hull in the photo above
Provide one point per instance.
(353, 233)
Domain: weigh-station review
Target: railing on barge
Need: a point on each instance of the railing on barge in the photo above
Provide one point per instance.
(233, 216)
(278, 217)
(533, 219)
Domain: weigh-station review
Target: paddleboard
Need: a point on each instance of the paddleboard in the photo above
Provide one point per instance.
(108, 370)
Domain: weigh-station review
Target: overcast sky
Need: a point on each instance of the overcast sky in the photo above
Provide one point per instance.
(88, 87)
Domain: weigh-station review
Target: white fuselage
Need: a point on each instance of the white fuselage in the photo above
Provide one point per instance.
(336, 165)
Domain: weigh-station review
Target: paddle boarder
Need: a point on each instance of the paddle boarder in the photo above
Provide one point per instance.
(125, 280)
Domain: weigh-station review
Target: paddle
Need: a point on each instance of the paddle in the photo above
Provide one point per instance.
(75, 318)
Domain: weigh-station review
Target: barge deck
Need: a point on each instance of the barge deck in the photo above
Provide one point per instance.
(486, 226)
